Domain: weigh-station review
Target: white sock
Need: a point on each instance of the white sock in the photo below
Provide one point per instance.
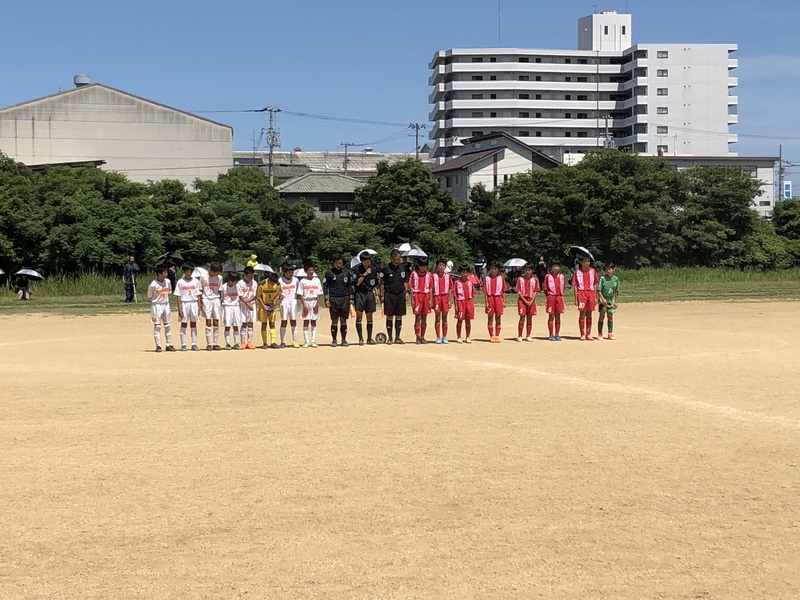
(283, 335)
(194, 336)
(313, 331)
(168, 333)
(157, 333)
(183, 336)
(294, 333)
(236, 337)
(208, 334)
(249, 334)
(305, 334)
(216, 336)
(227, 336)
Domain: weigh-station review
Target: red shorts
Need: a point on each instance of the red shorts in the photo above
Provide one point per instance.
(524, 310)
(441, 303)
(495, 305)
(555, 305)
(422, 303)
(587, 300)
(465, 310)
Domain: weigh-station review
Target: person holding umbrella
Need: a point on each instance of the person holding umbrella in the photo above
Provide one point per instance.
(129, 274)
(21, 287)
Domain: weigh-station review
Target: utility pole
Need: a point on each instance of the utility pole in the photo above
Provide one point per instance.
(273, 140)
(780, 197)
(346, 154)
(416, 127)
(607, 143)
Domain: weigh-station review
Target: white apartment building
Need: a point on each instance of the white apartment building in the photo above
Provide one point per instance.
(668, 99)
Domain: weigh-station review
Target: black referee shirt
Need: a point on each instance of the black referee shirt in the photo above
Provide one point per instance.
(338, 283)
(369, 283)
(395, 278)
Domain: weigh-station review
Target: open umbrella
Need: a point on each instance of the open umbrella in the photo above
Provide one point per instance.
(174, 256)
(581, 250)
(29, 273)
(2, 272)
(199, 272)
(300, 273)
(414, 252)
(515, 262)
(263, 268)
(233, 268)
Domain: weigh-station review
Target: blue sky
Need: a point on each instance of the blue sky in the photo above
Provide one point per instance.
(364, 59)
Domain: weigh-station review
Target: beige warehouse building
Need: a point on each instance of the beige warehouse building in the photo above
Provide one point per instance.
(143, 139)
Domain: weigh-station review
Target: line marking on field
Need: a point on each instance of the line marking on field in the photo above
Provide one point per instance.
(736, 414)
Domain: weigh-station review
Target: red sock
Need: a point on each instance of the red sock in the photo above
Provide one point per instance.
(423, 329)
(438, 329)
(582, 325)
(589, 325)
(491, 329)
(558, 327)
(529, 328)
(519, 328)
(497, 330)
(417, 329)
(550, 327)
(469, 327)
(444, 329)
(458, 328)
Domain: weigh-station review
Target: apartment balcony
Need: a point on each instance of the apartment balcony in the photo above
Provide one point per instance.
(733, 63)
(633, 83)
(639, 63)
(733, 82)
(733, 119)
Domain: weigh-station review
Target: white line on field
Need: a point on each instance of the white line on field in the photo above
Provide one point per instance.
(737, 414)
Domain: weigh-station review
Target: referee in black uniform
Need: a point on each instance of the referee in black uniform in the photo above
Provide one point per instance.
(394, 289)
(366, 280)
(338, 289)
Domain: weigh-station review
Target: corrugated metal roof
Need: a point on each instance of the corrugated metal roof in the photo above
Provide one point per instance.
(320, 183)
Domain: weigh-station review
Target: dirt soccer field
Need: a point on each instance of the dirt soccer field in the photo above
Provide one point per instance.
(665, 464)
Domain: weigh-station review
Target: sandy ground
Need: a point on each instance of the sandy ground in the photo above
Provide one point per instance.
(662, 465)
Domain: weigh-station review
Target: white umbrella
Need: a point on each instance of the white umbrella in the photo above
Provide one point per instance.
(413, 252)
(299, 273)
(515, 262)
(29, 273)
(356, 260)
(2, 272)
(582, 250)
(448, 268)
(404, 247)
(263, 267)
(199, 272)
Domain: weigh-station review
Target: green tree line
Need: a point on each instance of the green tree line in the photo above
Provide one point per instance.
(631, 210)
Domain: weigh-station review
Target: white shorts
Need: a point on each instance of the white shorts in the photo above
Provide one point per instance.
(289, 309)
(248, 314)
(160, 312)
(231, 316)
(189, 312)
(212, 309)
(312, 310)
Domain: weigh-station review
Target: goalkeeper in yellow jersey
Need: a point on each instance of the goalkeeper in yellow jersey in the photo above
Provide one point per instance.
(268, 297)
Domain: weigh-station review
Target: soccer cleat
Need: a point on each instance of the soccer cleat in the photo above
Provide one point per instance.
(158, 348)
(264, 346)
(171, 348)
(423, 341)
(419, 341)
(305, 344)
(360, 342)
(589, 338)
(495, 339)
(552, 338)
(583, 338)
(237, 347)
(519, 339)
(334, 344)
(183, 348)
(459, 341)
(558, 338)
(468, 340)
(195, 348)
(283, 345)
(345, 344)
(599, 336)
(217, 347)
(611, 336)
(389, 342)
(314, 345)
(399, 341)
(445, 341)
(370, 342)
(209, 348)
(228, 347)
(529, 339)
(275, 345)
(438, 340)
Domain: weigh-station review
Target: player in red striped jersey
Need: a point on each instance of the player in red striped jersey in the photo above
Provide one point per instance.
(442, 283)
(421, 285)
(494, 289)
(464, 294)
(527, 288)
(585, 282)
(554, 284)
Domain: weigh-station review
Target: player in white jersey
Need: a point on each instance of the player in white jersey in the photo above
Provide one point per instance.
(308, 291)
(231, 312)
(188, 291)
(211, 304)
(288, 285)
(159, 292)
(247, 304)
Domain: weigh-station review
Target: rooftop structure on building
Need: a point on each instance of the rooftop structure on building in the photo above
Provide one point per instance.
(653, 99)
(98, 124)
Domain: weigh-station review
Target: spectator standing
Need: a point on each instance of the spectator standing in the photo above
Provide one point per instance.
(541, 271)
(129, 274)
(480, 264)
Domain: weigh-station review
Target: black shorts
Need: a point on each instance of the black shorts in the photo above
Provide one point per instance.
(365, 302)
(340, 307)
(394, 305)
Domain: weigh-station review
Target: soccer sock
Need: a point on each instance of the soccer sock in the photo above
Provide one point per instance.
(183, 336)
(264, 336)
(589, 325)
(458, 329)
(444, 329)
(334, 330)
(582, 325)
(519, 328)
(438, 328)
(558, 327)
(398, 325)
(468, 325)
(417, 329)
(600, 326)
(343, 329)
(157, 333)
(370, 325)
(294, 332)
(529, 327)
(314, 331)
(236, 336)
(610, 326)
(250, 334)
(168, 333)
(497, 329)
(194, 336)
(283, 334)
(491, 330)
(423, 329)
(389, 328)
(305, 333)
(550, 327)
(273, 333)
(360, 331)
(216, 335)
(208, 335)
(227, 336)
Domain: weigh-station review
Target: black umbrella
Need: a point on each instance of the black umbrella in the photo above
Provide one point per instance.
(233, 268)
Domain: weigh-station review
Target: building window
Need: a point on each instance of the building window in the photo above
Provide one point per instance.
(640, 128)
(624, 29)
(505, 177)
(662, 110)
(764, 203)
(493, 115)
(605, 30)
(476, 134)
(538, 96)
(524, 134)
(567, 78)
(567, 134)
(492, 96)
(524, 78)
(538, 134)
(662, 54)
(448, 182)
(524, 96)
(662, 73)
(567, 115)
(662, 150)
(477, 59)
(524, 115)
(662, 129)
(583, 61)
(492, 77)
(582, 79)
(662, 92)
(568, 97)
(524, 59)
(477, 78)
(583, 134)
(538, 115)
(583, 115)
(583, 98)
(477, 96)
(538, 78)
(537, 60)
(327, 207)
(567, 61)
(477, 115)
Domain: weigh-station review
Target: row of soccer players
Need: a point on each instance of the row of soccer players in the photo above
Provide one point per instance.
(239, 304)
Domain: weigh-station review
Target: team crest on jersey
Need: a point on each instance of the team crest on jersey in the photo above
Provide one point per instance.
(345, 278)
(402, 274)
